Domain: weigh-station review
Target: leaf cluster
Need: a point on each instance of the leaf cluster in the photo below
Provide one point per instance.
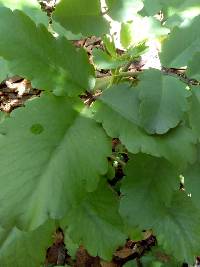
(57, 158)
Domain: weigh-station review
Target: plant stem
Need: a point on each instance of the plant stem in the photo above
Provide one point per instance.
(128, 74)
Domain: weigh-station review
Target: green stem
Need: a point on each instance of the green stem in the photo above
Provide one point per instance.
(104, 82)
(128, 74)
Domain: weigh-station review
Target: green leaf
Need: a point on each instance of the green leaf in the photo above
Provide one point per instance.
(149, 199)
(163, 101)
(177, 5)
(48, 160)
(81, 16)
(109, 44)
(194, 113)
(192, 181)
(61, 31)
(102, 83)
(134, 233)
(180, 13)
(3, 116)
(123, 99)
(126, 34)
(174, 55)
(24, 249)
(175, 20)
(172, 146)
(157, 257)
(178, 230)
(149, 185)
(70, 245)
(158, 103)
(111, 172)
(117, 111)
(4, 70)
(123, 10)
(173, 10)
(151, 7)
(138, 50)
(143, 28)
(101, 226)
(193, 70)
(51, 64)
(102, 60)
(31, 8)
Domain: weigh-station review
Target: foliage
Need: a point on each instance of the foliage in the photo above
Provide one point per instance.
(56, 156)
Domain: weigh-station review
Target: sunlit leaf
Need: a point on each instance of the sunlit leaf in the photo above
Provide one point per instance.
(102, 60)
(31, 8)
(163, 101)
(123, 10)
(174, 55)
(50, 64)
(81, 16)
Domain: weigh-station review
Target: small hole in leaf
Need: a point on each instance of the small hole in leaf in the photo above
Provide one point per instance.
(37, 128)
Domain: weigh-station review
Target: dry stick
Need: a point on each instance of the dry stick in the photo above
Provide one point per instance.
(140, 248)
(181, 76)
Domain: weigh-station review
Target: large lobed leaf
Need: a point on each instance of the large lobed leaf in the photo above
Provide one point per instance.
(138, 31)
(150, 198)
(175, 10)
(22, 249)
(34, 11)
(48, 160)
(4, 70)
(194, 113)
(193, 70)
(81, 16)
(117, 109)
(123, 10)
(31, 8)
(151, 7)
(192, 180)
(157, 104)
(178, 230)
(149, 185)
(174, 55)
(163, 101)
(101, 226)
(178, 146)
(51, 64)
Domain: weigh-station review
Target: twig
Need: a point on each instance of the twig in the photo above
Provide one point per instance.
(138, 250)
(181, 76)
